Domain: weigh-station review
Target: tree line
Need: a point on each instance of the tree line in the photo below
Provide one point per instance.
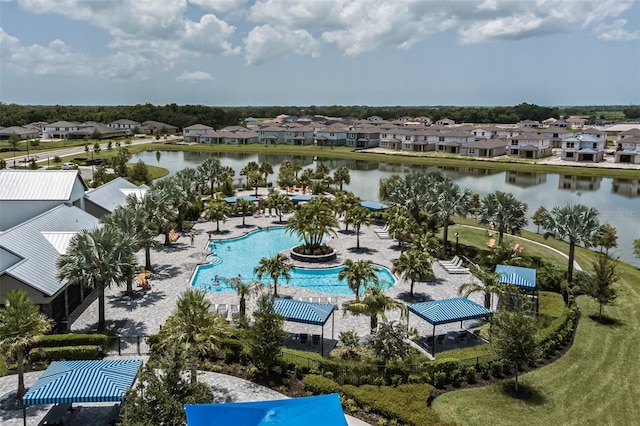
(215, 116)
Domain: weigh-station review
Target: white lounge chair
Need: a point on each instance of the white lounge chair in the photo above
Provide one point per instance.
(455, 261)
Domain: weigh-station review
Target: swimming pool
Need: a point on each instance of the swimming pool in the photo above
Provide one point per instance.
(239, 256)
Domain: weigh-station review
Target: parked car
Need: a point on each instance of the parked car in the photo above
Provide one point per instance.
(69, 166)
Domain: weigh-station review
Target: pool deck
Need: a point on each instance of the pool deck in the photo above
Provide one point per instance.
(174, 266)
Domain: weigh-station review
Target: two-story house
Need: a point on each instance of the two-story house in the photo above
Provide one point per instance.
(193, 133)
(332, 135)
(583, 148)
(359, 136)
(628, 150)
(529, 145)
(231, 135)
(125, 124)
(556, 135)
(59, 129)
(451, 142)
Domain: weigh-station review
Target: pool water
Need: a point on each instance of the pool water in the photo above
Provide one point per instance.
(238, 256)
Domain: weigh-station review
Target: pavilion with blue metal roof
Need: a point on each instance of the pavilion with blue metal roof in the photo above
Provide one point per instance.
(306, 313)
(446, 311)
(522, 278)
(231, 200)
(374, 206)
(68, 382)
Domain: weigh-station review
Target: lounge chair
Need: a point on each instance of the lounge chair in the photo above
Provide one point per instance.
(491, 243)
(384, 229)
(458, 270)
(453, 262)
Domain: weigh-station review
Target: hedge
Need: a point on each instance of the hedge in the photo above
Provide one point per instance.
(3, 367)
(320, 385)
(63, 353)
(71, 339)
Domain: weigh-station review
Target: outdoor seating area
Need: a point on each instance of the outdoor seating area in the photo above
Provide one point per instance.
(454, 266)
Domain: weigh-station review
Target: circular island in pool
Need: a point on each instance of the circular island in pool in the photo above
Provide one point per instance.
(235, 259)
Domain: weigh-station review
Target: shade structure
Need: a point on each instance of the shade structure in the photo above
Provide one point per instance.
(308, 411)
(232, 200)
(67, 382)
(304, 312)
(303, 197)
(373, 205)
(447, 311)
(524, 278)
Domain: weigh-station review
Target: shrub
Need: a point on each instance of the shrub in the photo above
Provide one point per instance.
(252, 372)
(414, 378)
(379, 381)
(365, 379)
(71, 339)
(470, 375)
(506, 368)
(485, 370)
(63, 353)
(320, 385)
(456, 378)
(496, 368)
(328, 375)
(232, 350)
(439, 379)
(396, 380)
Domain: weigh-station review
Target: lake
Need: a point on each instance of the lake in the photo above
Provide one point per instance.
(617, 200)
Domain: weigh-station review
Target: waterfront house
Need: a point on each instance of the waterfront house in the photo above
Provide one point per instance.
(532, 146)
(193, 133)
(628, 150)
(485, 148)
(583, 148)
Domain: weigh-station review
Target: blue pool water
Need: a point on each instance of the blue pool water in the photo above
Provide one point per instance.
(239, 256)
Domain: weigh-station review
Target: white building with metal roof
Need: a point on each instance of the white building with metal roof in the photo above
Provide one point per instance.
(29, 253)
(28, 193)
(105, 198)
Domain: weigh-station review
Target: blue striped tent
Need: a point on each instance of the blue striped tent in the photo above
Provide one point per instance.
(524, 278)
(446, 311)
(306, 313)
(66, 382)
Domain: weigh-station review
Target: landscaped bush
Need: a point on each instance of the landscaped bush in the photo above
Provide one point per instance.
(557, 332)
(406, 404)
(71, 339)
(470, 375)
(63, 353)
(496, 368)
(232, 350)
(320, 385)
(3, 367)
(439, 379)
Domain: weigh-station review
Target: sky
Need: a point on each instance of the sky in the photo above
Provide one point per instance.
(320, 52)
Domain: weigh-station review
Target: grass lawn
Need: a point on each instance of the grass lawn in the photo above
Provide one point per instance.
(594, 383)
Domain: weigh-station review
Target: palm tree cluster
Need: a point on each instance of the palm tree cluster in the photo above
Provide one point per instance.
(312, 222)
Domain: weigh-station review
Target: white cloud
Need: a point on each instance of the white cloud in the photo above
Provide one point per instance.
(194, 76)
(266, 42)
(220, 6)
(616, 31)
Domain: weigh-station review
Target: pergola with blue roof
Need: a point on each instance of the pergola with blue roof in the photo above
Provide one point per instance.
(374, 206)
(446, 311)
(302, 198)
(68, 382)
(231, 200)
(307, 313)
(522, 278)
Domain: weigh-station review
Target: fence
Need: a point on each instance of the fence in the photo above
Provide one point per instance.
(129, 345)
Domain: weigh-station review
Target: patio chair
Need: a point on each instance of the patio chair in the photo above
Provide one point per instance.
(427, 342)
(440, 339)
(315, 339)
(462, 337)
(458, 270)
(455, 261)
(491, 243)
(304, 338)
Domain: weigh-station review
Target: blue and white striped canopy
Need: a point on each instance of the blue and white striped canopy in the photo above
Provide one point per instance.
(447, 311)
(303, 312)
(231, 200)
(373, 205)
(303, 197)
(524, 278)
(66, 382)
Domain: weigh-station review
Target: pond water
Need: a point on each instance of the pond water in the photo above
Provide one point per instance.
(617, 200)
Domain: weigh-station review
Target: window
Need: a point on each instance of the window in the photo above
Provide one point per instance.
(514, 143)
(332, 134)
(441, 139)
(569, 154)
(472, 151)
(570, 144)
(595, 145)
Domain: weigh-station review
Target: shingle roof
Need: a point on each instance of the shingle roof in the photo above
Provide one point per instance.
(37, 243)
(37, 184)
(113, 194)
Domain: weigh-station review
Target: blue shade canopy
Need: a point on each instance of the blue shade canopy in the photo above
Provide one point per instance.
(524, 278)
(303, 197)
(66, 382)
(309, 411)
(447, 311)
(303, 312)
(232, 200)
(373, 205)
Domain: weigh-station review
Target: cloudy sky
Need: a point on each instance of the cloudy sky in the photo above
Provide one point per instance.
(320, 52)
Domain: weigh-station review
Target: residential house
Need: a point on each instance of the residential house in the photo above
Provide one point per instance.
(486, 132)
(562, 123)
(150, 127)
(583, 148)
(125, 124)
(59, 129)
(555, 135)
(106, 198)
(451, 142)
(524, 179)
(360, 136)
(577, 122)
(631, 133)
(628, 150)
(193, 133)
(485, 148)
(374, 118)
(445, 122)
(28, 193)
(29, 252)
(531, 145)
(232, 135)
(528, 123)
(332, 135)
(90, 129)
(19, 131)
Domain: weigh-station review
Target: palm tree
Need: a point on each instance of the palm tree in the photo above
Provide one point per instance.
(537, 217)
(341, 176)
(274, 266)
(505, 211)
(427, 243)
(98, 259)
(244, 290)
(413, 265)
(445, 199)
(312, 222)
(132, 222)
(488, 284)
(361, 273)
(217, 210)
(280, 202)
(408, 191)
(176, 202)
(244, 206)
(266, 169)
(376, 303)
(576, 223)
(21, 322)
(210, 170)
(195, 327)
(343, 203)
(358, 216)
(401, 225)
(157, 213)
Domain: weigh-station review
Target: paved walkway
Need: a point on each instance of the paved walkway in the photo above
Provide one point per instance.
(225, 389)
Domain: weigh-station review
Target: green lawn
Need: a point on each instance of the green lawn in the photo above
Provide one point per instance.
(594, 383)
